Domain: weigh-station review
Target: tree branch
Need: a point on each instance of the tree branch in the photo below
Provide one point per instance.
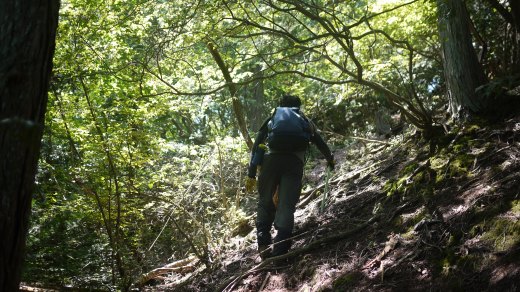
(237, 106)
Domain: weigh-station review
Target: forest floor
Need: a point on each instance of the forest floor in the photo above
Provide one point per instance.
(402, 215)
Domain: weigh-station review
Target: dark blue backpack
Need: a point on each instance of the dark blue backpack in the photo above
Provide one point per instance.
(288, 130)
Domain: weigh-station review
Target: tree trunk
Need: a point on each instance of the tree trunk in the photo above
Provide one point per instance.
(515, 11)
(27, 40)
(256, 110)
(462, 70)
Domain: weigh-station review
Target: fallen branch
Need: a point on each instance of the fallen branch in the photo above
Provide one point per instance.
(370, 140)
(392, 242)
(357, 138)
(181, 266)
(265, 281)
(26, 288)
(308, 196)
(386, 270)
(230, 284)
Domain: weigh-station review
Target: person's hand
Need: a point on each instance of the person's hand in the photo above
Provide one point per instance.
(330, 164)
(250, 184)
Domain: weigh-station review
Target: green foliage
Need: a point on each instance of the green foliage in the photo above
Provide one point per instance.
(501, 233)
(116, 153)
(495, 44)
(402, 183)
(140, 161)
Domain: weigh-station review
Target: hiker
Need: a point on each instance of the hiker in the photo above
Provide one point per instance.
(287, 134)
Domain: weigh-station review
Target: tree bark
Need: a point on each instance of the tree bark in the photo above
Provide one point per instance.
(256, 111)
(27, 41)
(462, 70)
(515, 11)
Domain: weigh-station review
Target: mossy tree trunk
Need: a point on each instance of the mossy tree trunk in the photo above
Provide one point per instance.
(27, 41)
(463, 72)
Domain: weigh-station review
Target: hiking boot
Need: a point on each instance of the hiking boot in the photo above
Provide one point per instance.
(264, 251)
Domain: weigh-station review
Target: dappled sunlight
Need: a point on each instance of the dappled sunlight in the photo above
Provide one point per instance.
(130, 145)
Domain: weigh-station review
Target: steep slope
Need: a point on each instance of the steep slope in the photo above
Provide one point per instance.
(401, 216)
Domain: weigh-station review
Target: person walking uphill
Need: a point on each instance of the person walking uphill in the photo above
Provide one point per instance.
(287, 134)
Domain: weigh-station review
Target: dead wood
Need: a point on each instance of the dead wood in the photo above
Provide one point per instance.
(231, 283)
(182, 266)
(370, 140)
(307, 196)
(265, 281)
(392, 242)
(26, 288)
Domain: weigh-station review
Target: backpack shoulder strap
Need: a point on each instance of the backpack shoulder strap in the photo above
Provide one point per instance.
(312, 126)
(269, 120)
(274, 112)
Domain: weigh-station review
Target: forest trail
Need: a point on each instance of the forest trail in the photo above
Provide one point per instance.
(399, 219)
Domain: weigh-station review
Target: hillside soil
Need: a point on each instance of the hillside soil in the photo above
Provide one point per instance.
(401, 215)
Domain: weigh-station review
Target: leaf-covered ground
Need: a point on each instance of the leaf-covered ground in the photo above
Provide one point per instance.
(407, 215)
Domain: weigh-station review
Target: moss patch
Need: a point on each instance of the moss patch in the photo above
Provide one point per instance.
(515, 207)
(501, 233)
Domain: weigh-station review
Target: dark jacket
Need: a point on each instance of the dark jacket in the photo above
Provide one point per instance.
(261, 138)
